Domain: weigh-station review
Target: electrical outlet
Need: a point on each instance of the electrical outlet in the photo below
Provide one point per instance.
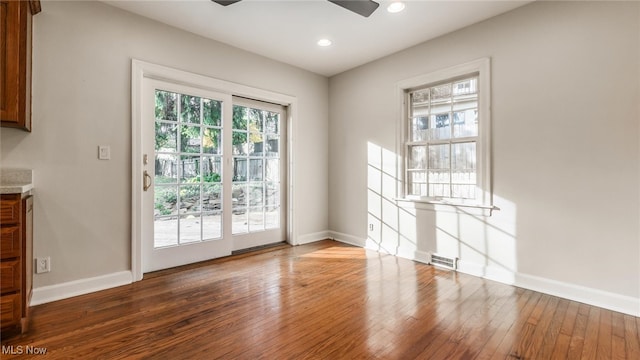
(370, 227)
(43, 265)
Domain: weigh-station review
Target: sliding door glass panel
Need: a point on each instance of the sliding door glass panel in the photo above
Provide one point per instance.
(188, 169)
(256, 170)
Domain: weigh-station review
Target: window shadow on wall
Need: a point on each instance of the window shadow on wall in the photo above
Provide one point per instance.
(484, 242)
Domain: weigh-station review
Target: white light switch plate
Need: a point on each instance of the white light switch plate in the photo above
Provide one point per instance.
(104, 152)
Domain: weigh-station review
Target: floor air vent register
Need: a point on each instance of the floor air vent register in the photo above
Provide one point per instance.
(444, 261)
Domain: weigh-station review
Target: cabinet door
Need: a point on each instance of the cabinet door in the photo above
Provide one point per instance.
(10, 277)
(10, 310)
(15, 66)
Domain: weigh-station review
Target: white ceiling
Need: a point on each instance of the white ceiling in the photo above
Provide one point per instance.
(287, 30)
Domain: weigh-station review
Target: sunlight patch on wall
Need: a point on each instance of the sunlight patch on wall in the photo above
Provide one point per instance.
(485, 245)
(390, 228)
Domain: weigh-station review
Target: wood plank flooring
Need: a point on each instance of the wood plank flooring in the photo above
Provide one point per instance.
(324, 300)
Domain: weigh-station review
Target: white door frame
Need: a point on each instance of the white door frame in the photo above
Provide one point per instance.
(141, 70)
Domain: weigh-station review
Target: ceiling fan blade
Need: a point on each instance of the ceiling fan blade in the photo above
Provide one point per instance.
(225, 2)
(360, 7)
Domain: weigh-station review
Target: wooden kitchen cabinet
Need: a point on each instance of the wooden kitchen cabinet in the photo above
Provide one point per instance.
(16, 260)
(15, 62)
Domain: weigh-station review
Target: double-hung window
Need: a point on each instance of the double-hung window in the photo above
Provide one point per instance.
(446, 136)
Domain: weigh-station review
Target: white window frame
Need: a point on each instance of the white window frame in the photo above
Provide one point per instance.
(482, 69)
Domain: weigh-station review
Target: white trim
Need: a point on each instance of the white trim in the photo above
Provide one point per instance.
(142, 69)
(45, 294)
(442, 206)
(604, 299)
(483, 68)
(348, 239)
(415, 255)
(313, 237)
(410, 254)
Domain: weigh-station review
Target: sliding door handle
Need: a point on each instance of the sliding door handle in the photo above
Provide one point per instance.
(146, 181)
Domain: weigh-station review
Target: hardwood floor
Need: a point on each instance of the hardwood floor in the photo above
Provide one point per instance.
(322, 301)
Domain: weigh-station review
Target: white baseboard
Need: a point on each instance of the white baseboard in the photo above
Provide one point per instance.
(417, 255)
(604, 299)
(347, 239)
(69, 289)
(313, 237)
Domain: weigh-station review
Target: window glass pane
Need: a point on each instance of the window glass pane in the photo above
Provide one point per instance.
(189, 199)
(440, 126)
(440, 190)
(272, 217)
(465, 87)
(256, 144)
(417, 183)
(190, 168)
(166, 169)
(211, 169)
(240, 146)
(166, 106)
(190, 139)
(212, 226)
(212, 112)
(239, 118)
(190, 109)
(212, 141)
(465, 116)
(211, 197)
(272, 191)
(440, 93)
(256, 194)
(256, 219)
(273, 146)
(272, 170)
(272, 123)
(239, 211)
(464, 156)
(239, 196)
(240, 169)
(255, 120)
(166, 137)
(465, 123)
(255, 169)
(420, 97)
(165, 199)
(463, 176)
(439, 177)
(190, 229)
(463, 191)
(420, 115)
(420, 128)
(439, 157)
(417, 157)
(239, 221)
(165, 232)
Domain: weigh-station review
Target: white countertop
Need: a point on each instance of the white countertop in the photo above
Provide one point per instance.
(15, 188)
(16, 181)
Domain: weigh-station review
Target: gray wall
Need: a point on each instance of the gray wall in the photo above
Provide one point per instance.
(565, 94)
(82, 99)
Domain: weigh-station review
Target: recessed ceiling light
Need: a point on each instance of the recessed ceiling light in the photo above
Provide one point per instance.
(395, 7)
(324, 42)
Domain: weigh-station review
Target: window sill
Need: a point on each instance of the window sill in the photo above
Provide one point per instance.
(445, 206)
